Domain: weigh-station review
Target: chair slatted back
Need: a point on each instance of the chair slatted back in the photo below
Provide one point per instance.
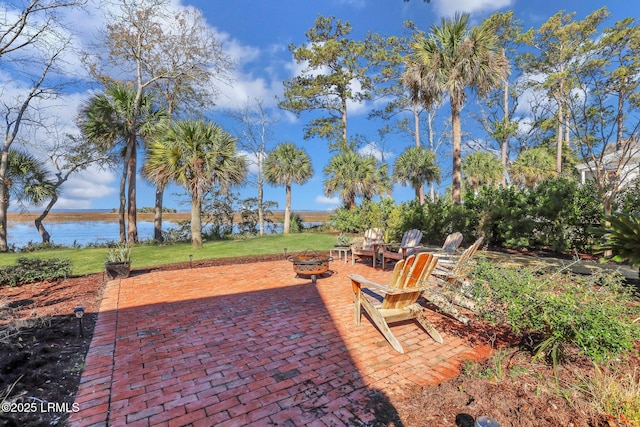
(371, 237)
(411, 238)
(412, 273)
(452, 242)
(466, 256)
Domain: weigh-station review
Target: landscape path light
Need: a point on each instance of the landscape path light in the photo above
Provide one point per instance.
(79, 312)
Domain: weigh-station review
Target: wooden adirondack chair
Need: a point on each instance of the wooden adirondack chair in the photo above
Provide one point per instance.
(409, 245)
(453, 267)
(366, 248)
(449, 248)
(451, 284)
(396, 301)
(452, 243)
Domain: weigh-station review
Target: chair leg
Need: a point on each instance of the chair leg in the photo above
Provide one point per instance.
(382, 325)
(426, 324)
(357, 297)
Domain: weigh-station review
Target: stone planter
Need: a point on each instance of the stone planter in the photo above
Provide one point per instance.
(117, 270)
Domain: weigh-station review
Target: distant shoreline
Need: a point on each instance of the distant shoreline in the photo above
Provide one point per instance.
(76, 216)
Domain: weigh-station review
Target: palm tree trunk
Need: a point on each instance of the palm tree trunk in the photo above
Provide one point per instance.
(157, 218)
(416, 132)
(132, 226)
(123, 201)
(457, 137)
(287, 210)
(196, 222)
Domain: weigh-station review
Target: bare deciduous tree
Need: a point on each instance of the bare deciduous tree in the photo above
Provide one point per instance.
(33, 39)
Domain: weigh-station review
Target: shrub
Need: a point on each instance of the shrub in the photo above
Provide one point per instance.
(31, 270)
(557, 311)
(296, 223)
(367, 215)
(40, 246)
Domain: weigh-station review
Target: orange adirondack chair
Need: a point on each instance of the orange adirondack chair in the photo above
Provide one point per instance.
(396, 301)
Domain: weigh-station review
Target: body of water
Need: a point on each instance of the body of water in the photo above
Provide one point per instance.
(82, 233)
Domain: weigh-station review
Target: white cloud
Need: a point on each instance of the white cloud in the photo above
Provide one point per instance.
(450, 7)
(244, 85)
(66, 203)
(372, 149)
(324, 200)
(88, 185)
(252, 160)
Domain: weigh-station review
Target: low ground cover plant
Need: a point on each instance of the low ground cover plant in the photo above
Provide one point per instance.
(31, 270)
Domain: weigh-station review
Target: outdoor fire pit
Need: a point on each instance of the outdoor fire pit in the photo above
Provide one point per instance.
(310, 263)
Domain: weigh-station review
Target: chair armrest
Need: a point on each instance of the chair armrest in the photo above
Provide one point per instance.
(358, 280)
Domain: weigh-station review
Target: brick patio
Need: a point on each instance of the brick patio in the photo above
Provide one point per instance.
(251, 344)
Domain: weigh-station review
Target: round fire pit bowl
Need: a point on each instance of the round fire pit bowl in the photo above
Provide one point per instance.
(310, 263)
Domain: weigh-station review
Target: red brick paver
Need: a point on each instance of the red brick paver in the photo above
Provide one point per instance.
(249, 344)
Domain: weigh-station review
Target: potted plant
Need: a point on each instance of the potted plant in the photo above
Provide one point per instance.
(118, 264)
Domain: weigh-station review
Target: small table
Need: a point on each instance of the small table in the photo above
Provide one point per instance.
(342, 251)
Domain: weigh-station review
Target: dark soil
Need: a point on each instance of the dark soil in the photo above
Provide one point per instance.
(42, 354)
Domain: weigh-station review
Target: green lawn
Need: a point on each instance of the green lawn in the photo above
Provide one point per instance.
(91, 260)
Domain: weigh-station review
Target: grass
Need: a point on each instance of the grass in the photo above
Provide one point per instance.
(91, 260)
(614, 393)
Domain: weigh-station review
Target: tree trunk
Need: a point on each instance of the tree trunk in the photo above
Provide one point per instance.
(260, 201)
(344, 124)
(457, 137)
(505, 137)
(416, 134)
(46, 237)
(132, 226)
(123, 201)
(4, 201)
(196, 222)
(560, 134)
(157, 218)
(606, 204)
(287, 210)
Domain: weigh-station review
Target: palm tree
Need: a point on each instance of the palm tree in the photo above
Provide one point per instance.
(452, 59)
(111, 121)
(415, 166)
(482, 168)
(26, 180)
(354, 175)
(285, 165)
(620, 237)
(533, 166)
(197, 155)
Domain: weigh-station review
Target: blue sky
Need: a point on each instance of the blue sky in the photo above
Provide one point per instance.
(256, 33)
